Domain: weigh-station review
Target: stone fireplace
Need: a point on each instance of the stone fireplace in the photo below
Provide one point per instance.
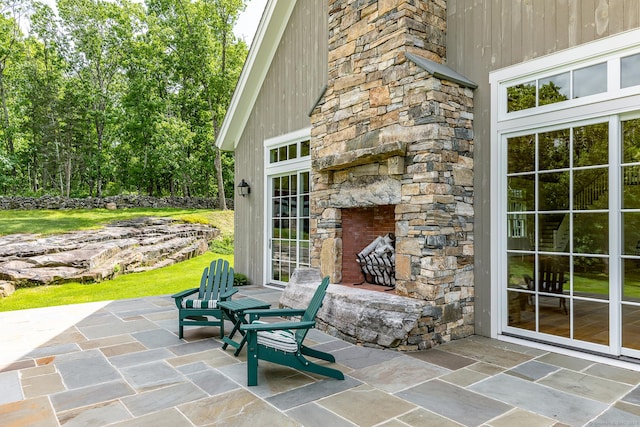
(393, 132)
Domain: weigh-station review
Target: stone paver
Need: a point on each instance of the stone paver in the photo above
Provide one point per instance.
(236, 408)
(562, 406)
(585, 385)
(122, 364)
(100, 414)
(455, 403)
(373, 406)
(532, 370)
(313, 415)
(398, 373)
(35, 412)
(10, 386)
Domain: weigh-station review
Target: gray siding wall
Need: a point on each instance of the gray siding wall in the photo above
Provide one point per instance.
(485, 35)
(295, 79)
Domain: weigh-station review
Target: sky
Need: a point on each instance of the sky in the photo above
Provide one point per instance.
(249, 19)
(247, 22)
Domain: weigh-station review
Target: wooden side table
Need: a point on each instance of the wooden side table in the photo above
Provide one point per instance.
(234, 310)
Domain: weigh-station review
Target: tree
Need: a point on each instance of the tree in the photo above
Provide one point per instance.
(98, 30)
(208, 61)
(111, 96)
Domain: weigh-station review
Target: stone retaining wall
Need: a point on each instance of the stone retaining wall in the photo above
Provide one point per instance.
(122, 201)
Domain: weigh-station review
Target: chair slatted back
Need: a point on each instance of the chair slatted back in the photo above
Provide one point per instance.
(216, 279)
(313, 308)
(551, 278)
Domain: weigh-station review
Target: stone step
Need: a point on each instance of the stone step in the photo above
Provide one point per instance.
(97, 255)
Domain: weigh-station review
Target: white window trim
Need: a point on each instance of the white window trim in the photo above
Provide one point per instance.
(270, 169)
(614, 101)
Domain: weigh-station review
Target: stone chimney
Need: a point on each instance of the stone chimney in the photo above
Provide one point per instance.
(394, 128)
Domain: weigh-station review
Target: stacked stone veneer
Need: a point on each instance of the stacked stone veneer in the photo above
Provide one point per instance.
(388, 133)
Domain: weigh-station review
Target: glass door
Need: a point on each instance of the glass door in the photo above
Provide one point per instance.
(289, 245)
(558, 232)
(630, 226)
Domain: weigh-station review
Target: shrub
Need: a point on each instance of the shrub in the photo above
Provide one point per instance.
(240, 279)
(223, 245)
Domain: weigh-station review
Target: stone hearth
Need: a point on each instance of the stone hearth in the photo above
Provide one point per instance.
(389, 132)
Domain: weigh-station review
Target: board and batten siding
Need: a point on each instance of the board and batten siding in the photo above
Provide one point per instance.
(295, 79)
(486, 35)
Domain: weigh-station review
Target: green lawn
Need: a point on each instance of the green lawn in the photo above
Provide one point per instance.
(164, 281)
(60, 221)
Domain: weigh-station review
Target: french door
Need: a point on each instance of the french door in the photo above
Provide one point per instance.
(288, 238)
(571, 266)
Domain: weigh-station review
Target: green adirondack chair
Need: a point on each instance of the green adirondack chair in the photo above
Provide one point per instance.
(281, 342)
(216, 285)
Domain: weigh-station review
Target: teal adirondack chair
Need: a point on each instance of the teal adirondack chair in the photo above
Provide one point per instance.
(281, 342)
(216, 285)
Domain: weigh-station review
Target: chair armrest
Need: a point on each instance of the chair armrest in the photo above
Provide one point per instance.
(273, 312)
(278, 326)
(228, 294)
(185, 293)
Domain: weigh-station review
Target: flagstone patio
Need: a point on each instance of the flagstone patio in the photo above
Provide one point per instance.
(121, 363)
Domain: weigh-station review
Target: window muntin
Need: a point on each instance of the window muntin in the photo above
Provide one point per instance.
(289, 152)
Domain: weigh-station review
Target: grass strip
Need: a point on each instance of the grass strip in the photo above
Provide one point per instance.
(164, 281)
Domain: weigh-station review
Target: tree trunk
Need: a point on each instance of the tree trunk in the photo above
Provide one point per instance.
(5, 112)
(218, 164)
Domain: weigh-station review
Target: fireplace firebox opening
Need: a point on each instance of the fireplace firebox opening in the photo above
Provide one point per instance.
(360, 227)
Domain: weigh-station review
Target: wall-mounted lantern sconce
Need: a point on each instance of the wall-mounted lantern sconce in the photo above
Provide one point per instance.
(243, 188)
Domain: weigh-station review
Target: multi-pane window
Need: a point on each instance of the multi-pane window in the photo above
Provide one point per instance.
(572, 84)
(289, 152)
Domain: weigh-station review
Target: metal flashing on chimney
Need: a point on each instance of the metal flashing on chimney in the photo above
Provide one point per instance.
(440, 71)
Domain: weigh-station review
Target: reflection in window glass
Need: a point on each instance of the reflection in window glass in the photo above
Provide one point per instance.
(273, 155)
(631, 141)
(293, 151)
(553, 150)
(631, 187)
(631, 280)
(521, 154)
(521, 231)
(591, 189)
(591, 277)
(554, 89)
(631, 235)
(591, 233)
(593, 328)
(630, 71)
(590, 80)
(548, 238)
(521, 97)
(521, 193)
(591, 145)
(554, 191)
(630, 315)
(520, 296)
(304, 148)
